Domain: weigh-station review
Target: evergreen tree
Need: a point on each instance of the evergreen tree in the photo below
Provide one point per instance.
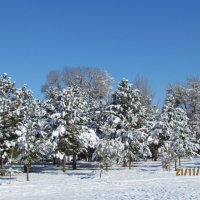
(31, 141)
(187, 97)
(9, 118)
(125, 121)
(69, 117)
(179, 140)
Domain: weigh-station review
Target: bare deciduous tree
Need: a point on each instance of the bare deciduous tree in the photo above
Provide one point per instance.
(142, 84)
(53, 79)
(96, 82)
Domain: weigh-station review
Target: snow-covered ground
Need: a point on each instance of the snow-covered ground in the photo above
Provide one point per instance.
(146, 181)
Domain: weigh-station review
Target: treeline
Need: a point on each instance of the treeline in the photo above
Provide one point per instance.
(81, 116)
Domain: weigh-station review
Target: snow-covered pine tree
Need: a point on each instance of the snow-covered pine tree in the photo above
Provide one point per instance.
(179, 140)
(9, 119)
(31, 141)
(69, 117)
(51, 122)
(187, 97)
(108, 150)
(158, 134)
(126, 122)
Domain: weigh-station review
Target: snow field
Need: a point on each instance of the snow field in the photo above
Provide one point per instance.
(146, 181)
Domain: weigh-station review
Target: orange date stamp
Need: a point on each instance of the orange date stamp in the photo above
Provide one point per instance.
(187, 171)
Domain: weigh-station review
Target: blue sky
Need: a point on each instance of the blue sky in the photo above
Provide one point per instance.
(157, 39)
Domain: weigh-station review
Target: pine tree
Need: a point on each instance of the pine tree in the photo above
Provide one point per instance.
(69, 117)
(125, 121)
(158, 134)
(9, 119)
(187, 97)
(31, 141)
(179, 139)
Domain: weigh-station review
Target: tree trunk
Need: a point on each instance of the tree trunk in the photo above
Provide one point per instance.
(74, 162)
(58, 160)
(54, 161)
(27, 173)
(3, 172)
(68, 159)
(175, 163)
(101, 173)
(64, 163)
(25, 168)
(179, 161)
(130, 159)
(124, 163)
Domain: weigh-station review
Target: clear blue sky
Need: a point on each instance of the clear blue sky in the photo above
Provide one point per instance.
(158, 39)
